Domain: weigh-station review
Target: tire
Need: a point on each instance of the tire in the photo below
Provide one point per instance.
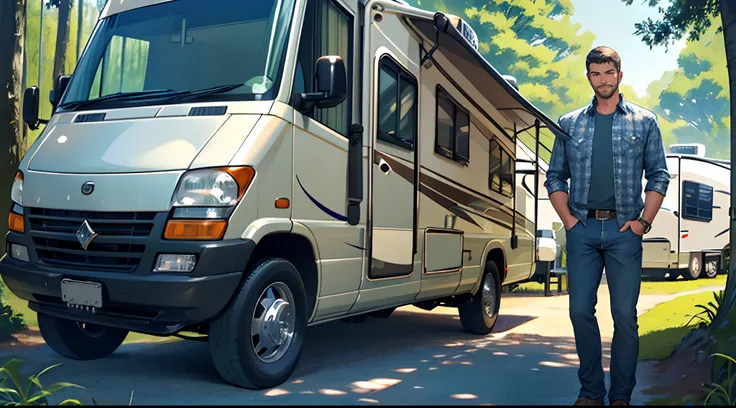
(79, 341)
(273, 288)
(473, 316)
(710, 268)
(695, 269)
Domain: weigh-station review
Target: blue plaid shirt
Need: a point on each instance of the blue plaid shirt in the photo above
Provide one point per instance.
(637, 149)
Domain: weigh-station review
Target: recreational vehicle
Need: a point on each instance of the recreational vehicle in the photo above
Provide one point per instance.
(692, 226)
(244, 169)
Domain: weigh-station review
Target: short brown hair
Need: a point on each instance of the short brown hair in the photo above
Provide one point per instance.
(602, 55)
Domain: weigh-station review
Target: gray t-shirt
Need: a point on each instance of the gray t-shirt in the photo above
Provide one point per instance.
(601, 195)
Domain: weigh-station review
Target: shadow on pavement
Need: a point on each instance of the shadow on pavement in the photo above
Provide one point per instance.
(409, 358)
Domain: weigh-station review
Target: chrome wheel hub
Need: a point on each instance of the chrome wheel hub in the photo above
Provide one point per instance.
(274, 319)
(489, 295)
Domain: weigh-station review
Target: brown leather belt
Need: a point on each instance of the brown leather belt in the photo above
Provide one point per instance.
(602, 214)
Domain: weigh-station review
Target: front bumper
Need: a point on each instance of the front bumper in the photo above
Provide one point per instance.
(137, 298)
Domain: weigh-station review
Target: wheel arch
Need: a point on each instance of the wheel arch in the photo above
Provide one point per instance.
(272, 235)
(495, 252)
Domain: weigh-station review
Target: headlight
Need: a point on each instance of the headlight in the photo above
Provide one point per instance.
(16, 192)
(211, 193)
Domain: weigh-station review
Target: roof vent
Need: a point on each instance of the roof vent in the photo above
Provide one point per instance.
(510, 79)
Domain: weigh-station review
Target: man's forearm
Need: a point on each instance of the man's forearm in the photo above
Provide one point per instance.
(559, 203)
(652, 204)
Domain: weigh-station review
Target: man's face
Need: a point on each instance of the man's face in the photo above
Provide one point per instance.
(604, 79)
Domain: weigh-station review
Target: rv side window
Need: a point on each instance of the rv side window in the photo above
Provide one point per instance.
(453, 129)
(327, 30)
(697, 201)
(501, 174)
(396, 105)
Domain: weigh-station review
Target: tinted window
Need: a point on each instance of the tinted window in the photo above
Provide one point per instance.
(501, 170)
(697, 201)
(327, 30)
(453, 128)
(396, 105)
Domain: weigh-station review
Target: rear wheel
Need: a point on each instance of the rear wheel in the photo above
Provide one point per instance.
(257, 342)
(480, 315)
(710, 267)
(77, 340)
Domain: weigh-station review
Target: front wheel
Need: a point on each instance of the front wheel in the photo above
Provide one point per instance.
(79, 341)
(695, 269)
(480, 315)
(257, 342)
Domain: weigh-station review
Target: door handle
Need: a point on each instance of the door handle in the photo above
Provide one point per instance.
(385, 167)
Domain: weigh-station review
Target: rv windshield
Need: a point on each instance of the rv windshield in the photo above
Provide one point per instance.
(183, 50)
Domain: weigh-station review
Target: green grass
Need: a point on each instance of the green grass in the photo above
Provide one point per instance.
(681, 285)
(655, 287)
(29, 316)
(662, 328)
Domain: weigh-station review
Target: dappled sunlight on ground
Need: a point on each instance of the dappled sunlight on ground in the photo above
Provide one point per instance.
(409, 358)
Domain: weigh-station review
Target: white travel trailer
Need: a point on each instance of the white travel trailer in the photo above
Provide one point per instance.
(691, 228)
(247, 169)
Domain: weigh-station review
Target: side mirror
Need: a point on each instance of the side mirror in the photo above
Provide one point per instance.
(331, 85)
(62, 81)
(30, 108)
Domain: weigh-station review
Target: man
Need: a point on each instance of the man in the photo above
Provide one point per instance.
(612, 144)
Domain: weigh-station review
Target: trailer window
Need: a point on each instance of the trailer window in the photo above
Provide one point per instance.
(500, 173)
(453, 128)
(396, 105)
(697, 201)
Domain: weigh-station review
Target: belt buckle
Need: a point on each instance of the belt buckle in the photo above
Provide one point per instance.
(600, 218)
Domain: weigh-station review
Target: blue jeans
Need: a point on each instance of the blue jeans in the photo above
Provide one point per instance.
(589, 249)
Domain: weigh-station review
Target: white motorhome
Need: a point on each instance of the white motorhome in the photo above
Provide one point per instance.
(692, 226)
(247, 169)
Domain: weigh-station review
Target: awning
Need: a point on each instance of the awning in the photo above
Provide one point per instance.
(457, 48)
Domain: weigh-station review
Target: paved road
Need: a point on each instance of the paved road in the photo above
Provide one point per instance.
(413, 357)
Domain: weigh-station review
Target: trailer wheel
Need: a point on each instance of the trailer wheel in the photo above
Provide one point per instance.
(695, 269)
(77, 340)
(257, 341)
(480, 315)
(710, 267)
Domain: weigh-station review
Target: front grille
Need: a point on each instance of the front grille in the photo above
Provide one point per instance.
(118, 247)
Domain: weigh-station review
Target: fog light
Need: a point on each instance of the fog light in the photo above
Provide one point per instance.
(19, 252)
(174, 263)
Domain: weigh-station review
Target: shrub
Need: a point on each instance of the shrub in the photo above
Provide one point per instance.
(21, 394)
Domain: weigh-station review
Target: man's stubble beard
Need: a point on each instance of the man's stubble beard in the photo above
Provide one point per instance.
(604, 94)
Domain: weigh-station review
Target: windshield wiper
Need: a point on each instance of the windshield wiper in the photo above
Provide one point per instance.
(207, 91)
(151, 94)
(122, 96)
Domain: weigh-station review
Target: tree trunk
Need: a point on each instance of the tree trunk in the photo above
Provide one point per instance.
(62, 38)
(728, 16)
(12, 145)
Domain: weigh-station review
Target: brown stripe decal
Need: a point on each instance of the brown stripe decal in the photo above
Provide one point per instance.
(448, 204)
(449, 196)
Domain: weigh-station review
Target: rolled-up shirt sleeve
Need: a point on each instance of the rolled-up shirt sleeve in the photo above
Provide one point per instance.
(559, 170)
(655, 161)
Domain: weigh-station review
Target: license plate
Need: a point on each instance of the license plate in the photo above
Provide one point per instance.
(81, 293)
